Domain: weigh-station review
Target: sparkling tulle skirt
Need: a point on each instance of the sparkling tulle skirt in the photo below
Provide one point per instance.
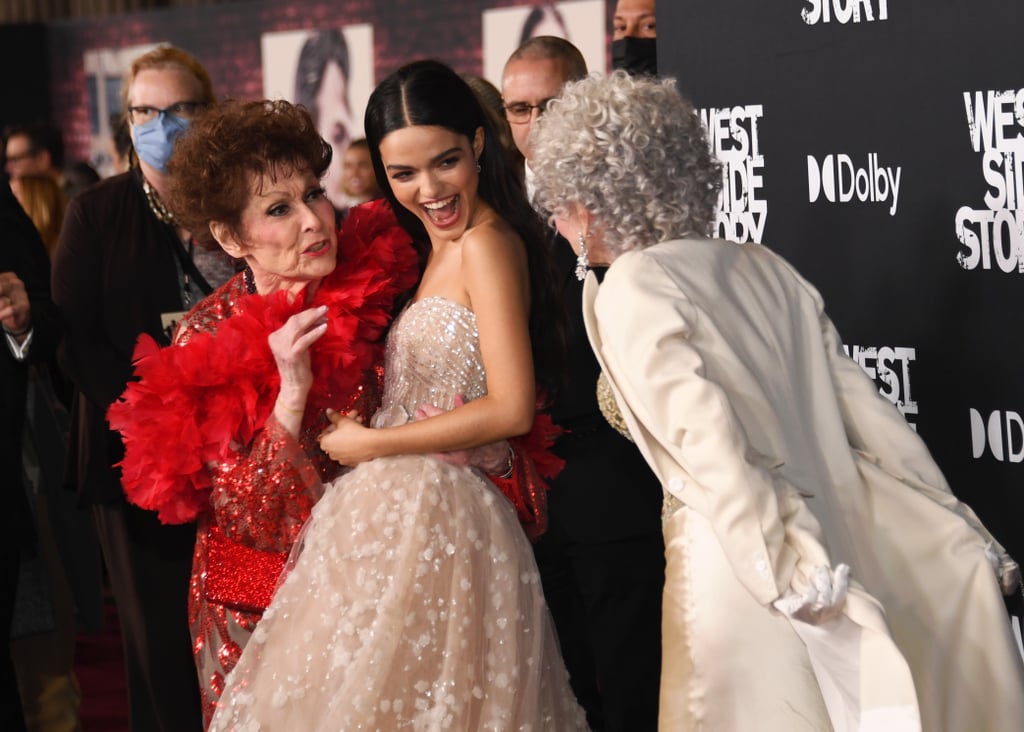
(414, 603)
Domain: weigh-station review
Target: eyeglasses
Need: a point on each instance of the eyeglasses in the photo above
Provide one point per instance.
(17, 158)
(520, 112)
(182, 110)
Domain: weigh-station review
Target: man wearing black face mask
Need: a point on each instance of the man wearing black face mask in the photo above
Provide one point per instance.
(634, 37)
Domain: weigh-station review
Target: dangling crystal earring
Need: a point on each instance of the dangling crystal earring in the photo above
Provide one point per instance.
(581, 260)
(478, 168)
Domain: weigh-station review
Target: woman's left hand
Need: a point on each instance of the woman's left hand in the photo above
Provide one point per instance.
(347, 441)
(14, 305)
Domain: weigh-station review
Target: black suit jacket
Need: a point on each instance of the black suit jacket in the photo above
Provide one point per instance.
(114, 273)
(606, 491)
(21, 252)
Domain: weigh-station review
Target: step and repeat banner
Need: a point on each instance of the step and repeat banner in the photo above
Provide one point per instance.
(879, 145)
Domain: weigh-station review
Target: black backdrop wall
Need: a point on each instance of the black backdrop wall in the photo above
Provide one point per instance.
(879, 146)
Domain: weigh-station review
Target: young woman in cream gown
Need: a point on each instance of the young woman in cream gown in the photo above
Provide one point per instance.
(413, 601)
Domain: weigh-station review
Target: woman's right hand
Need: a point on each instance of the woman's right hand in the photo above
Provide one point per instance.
(290, 345)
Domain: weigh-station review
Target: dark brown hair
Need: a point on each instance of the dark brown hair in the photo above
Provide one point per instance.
(236, 143)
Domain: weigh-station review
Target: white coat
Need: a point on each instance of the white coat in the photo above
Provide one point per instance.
(783, 456)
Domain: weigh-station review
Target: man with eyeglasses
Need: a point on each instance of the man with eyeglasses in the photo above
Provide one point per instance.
(602, 559)
(125, 266)
(533, 76)
(34, 148)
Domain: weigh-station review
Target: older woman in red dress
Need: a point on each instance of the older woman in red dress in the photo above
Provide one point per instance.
(222, 427)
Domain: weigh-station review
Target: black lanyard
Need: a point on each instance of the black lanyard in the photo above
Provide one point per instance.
(187, 270)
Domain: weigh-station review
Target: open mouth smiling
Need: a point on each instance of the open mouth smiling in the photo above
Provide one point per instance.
(442, 212)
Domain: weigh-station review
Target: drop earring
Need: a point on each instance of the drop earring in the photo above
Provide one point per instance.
(581, 260)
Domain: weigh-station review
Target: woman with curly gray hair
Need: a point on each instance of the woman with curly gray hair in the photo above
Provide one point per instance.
(786, 474)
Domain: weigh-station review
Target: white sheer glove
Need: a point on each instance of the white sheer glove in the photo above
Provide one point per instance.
(824, 598)
(1007, 571)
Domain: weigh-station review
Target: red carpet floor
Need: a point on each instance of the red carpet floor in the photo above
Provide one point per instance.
(99, 666)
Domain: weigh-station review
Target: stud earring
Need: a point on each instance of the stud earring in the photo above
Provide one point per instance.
(581, 259)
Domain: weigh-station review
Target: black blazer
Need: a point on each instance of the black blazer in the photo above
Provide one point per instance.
(606, 491)
(114, 273)
(21, 252)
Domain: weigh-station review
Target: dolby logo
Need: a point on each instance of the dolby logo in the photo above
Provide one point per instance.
(841, 180)
(1001, 432)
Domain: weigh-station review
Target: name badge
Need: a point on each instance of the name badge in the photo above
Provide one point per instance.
(169, 322)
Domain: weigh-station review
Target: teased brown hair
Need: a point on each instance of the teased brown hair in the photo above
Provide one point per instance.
(236, 143)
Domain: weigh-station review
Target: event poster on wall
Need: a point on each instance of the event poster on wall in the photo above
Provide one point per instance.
(581, 22)
(329, 72)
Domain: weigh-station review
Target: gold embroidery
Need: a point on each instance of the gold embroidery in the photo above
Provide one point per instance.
(609, 408)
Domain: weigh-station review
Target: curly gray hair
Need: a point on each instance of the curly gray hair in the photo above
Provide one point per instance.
(632, 151)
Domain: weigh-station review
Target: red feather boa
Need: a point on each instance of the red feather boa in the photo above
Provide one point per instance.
(195, 403)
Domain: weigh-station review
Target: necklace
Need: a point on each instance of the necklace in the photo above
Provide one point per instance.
(156, 205)
(250, 281)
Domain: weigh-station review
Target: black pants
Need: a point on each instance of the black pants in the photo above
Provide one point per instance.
(605, 599)
(11, 716)
(150, 566)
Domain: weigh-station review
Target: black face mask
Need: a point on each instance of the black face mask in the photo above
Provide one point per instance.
(635, 55)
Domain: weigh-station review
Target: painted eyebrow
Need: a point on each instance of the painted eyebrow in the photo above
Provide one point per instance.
(273, 193)
(434, 159)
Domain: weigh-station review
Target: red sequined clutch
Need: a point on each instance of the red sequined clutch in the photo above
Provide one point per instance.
(238, 576)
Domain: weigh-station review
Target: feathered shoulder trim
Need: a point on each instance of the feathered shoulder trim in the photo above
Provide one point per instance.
(201, 400)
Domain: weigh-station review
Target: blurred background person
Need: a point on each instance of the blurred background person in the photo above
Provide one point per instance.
(358, 182)
(602, 558)
(30, 330)
(67, 589)
(634, 37)
(44, 202)
(125, 266)
(121, 150)
(35, 148)
(321, 86)
(793, 489)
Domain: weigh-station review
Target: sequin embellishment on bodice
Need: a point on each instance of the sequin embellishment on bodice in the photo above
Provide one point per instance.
(433, 355)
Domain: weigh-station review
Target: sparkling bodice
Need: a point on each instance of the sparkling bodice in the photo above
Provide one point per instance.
(433, 355)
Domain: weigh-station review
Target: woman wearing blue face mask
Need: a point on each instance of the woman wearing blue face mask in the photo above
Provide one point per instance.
(124, 266)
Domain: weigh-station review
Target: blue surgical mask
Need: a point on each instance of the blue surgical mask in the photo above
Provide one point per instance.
(154, 140)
